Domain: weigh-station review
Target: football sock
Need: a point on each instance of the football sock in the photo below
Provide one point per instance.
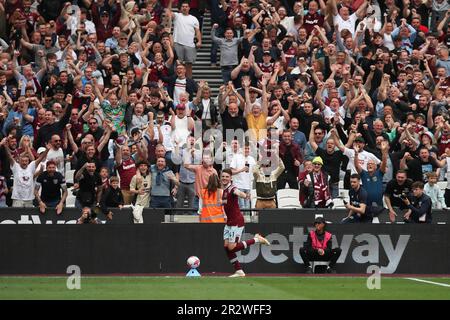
(243, 245)
(233, 259)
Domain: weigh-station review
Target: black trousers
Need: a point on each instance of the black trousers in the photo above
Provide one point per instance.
(308, 256)
(447, 197)
(290, 178)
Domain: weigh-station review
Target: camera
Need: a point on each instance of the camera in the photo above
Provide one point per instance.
(403, 196)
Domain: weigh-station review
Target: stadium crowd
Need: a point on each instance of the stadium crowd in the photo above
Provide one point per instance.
(313, 92)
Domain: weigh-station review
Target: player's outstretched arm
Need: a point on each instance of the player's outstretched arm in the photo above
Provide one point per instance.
(241, 194)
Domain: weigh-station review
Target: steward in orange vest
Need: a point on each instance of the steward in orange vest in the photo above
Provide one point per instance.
(318, 247)
(212, 209)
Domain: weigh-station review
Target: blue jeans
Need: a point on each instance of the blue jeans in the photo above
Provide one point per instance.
(161, 202)
(244, 203)
(334, 190)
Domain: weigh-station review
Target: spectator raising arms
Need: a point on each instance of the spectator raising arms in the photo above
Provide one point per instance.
(363, 85)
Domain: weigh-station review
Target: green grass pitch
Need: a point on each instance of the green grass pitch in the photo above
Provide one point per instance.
(221, 288)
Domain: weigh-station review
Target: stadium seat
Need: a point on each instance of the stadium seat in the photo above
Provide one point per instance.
(70, 176)
(343, 193)
(338, 203)
(288, 198)
(442, 185)
(287, 193)
(70, 200)
(253, 197)
(67, 166)
(314, 264)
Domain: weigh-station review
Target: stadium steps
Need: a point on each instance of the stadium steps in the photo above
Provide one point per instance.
(202, 69)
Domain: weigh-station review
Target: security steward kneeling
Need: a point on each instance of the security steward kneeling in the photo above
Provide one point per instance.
(318, 247)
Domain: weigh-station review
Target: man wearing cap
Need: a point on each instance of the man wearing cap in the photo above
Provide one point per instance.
(267, 65)
(104, 24)
(318, 247)
(317, 184)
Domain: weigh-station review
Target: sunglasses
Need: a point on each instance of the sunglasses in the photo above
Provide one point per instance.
(92, 122)
(318, 133)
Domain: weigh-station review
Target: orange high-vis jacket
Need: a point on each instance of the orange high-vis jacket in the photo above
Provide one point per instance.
(212, 210)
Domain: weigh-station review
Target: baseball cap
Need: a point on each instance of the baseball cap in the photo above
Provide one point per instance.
(104, 13)
(427, 133)
(320, 220)
(409, 66)
(317, 160)
(41, 149)
(420, 115)
(266, 53)
(360, 139)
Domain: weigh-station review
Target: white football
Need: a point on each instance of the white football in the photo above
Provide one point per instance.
(193, 262)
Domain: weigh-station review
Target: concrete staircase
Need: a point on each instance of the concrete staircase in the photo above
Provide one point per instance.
(202, 69)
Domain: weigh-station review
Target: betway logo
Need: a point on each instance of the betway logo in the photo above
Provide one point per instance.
(36, 219)
(367, 248)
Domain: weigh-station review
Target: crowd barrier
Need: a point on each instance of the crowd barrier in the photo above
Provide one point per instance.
(125, 216)
(164, 247)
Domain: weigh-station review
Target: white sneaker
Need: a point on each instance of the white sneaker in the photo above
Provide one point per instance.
(238, 273)
(262, 240)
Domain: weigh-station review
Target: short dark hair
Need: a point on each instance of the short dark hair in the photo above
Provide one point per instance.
(355, 176)
(227, 171)
(417, 185)
(402, 171)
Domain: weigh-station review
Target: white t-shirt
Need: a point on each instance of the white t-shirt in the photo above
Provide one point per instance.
(184, 29)
(328, 113)
(166, 130)
(348, 24)
(23, 187)
(243, 180)
(363, 157)
(58, 157)
(180, 87)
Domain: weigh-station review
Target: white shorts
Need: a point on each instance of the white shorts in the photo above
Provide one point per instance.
(232, 233)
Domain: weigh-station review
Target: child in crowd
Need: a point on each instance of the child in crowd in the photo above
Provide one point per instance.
(434, 192)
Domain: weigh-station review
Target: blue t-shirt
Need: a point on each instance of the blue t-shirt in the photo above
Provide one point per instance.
(373, 186)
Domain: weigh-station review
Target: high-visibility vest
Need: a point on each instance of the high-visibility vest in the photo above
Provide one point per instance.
(212, 210)
(316, 243)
